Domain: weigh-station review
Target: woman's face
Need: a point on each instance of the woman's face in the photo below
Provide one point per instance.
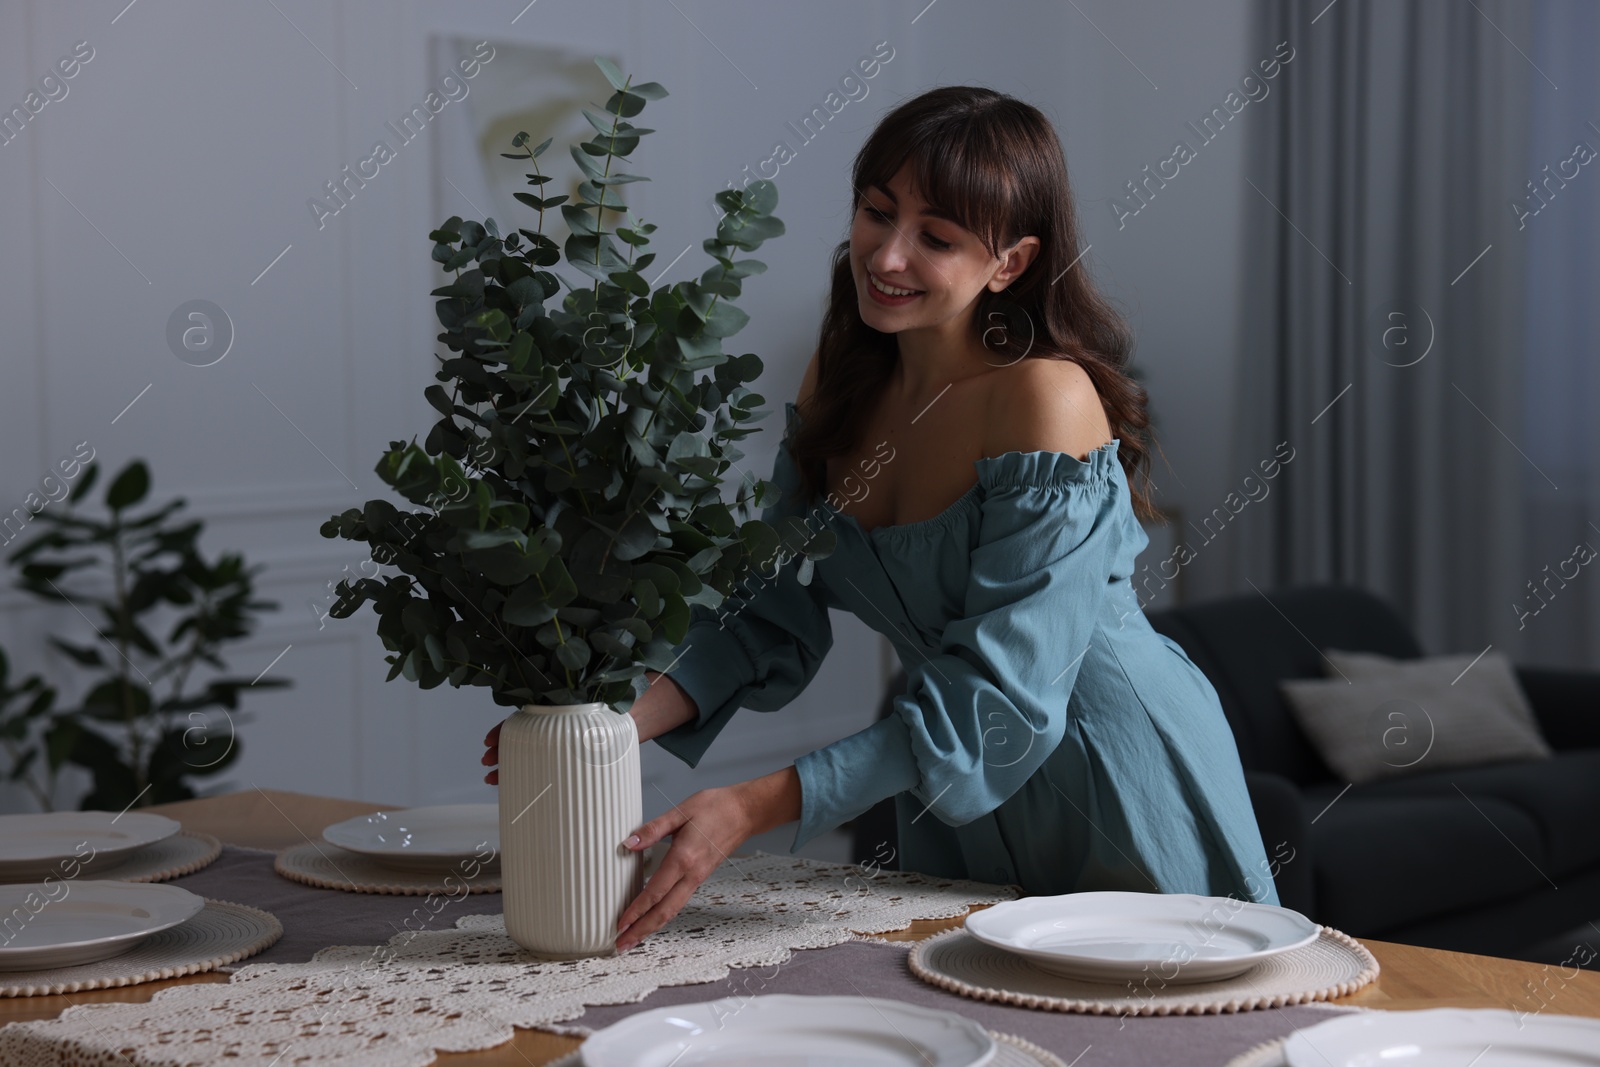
(896, 243)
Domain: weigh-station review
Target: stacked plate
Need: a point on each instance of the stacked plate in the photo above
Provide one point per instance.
(1116, 937)
(784, 1029)
(51, 916)
(1447, 1037)
(63, 843)
(66, 923)
(435, 840)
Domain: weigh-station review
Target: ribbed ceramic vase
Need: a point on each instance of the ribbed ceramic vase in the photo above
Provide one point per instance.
(569, 795)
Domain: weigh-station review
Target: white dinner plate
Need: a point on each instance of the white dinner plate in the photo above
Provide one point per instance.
(73, 922)
(1174, 938)
(34, 846)
(1447, 1037)
(785, 1030)
(429, 840)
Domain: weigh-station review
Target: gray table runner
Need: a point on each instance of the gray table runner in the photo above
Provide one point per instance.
(316, 918)
(876, 970)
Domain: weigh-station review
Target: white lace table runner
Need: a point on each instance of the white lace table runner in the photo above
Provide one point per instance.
(465, 988)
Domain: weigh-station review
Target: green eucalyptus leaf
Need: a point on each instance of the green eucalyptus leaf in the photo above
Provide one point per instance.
(607, 645)
(626, 104)
(501, 564)
(675, 619)
(378, 514)
(579, 220)
(760, 196)
(573, 653)
(725, 320)
(700, 349)
(603, 124)
(613, 75)
(586, 163)
(528, 606)
(648, 598)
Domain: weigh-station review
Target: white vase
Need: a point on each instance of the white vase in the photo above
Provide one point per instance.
(570, 795)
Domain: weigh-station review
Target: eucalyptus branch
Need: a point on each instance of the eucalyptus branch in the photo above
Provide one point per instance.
(584, 549)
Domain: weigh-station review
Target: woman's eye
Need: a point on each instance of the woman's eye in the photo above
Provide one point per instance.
(878, 216)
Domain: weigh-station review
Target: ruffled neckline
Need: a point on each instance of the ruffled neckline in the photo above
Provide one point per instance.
(1037, 470)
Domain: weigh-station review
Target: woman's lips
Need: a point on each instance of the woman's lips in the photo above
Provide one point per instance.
(884, 298)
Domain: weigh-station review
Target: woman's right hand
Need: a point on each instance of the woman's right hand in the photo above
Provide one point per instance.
(655, 711)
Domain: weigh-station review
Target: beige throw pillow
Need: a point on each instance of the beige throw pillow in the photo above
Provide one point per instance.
(1492, 670)
(1395, 717)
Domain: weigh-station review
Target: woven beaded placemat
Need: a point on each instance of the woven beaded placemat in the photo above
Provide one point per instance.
(1332, 966)
(331, 867)
(182, 853)
(220, 933)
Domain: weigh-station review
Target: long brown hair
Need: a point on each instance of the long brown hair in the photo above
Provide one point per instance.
(994, 163)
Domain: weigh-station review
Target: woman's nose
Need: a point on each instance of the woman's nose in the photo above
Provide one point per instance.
(890, 257)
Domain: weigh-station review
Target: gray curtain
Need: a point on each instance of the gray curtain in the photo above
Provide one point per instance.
(1560, 592)
(1381, 342)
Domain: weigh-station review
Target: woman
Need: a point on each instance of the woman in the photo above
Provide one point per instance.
(1048, 737)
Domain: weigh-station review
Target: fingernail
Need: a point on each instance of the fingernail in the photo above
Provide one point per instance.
(633, 841)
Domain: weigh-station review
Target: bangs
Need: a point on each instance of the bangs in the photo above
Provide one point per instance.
(959, 171)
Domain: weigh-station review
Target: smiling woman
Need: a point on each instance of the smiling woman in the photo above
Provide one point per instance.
(1048, 737)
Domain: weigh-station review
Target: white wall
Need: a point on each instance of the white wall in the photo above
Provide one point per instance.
(194, 137)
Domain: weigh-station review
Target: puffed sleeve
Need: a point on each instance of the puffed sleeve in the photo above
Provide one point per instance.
(758, 649)
(978, 718)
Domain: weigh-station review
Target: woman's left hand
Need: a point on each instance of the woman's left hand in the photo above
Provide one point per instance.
(706, 829)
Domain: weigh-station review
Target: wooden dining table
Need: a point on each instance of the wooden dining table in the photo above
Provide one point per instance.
(1411, 978)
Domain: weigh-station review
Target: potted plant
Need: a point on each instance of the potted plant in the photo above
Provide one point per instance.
(140, 730)
(571, 508)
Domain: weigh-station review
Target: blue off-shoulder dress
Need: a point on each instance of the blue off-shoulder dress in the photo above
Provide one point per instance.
(1048, 737)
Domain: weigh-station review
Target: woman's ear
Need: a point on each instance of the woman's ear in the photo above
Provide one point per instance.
(1014, 262)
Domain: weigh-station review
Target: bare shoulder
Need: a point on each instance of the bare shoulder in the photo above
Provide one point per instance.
(808, 383)
(1045, 405)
